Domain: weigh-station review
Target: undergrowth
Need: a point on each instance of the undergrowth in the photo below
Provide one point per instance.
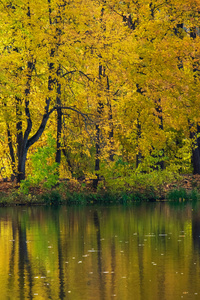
(182, 194)
(82, 193)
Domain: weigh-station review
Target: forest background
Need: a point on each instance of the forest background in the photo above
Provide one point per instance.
(102, 92)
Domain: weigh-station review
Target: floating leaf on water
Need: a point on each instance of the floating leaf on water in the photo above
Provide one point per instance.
(93, 250)
(150, 235)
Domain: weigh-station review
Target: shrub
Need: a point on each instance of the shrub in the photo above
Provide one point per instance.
(182, 195)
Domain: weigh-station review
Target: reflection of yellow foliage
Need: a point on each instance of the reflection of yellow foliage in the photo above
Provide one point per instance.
(115, 243)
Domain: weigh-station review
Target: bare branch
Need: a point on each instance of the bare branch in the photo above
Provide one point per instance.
(86, 76)
(85, 116)
(67, 73)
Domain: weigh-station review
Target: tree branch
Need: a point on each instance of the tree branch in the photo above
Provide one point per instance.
(40, 130)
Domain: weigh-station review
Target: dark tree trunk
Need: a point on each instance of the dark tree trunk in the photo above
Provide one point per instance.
(110, 119)
(196, 151)
(160, 164)
(59, 121)
(97, 144)
(99, 113)
(98, 148)
(20, 142)
(139, 155)
(194, 135)
(21, 165)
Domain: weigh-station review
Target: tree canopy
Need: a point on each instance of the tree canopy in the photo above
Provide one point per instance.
(114, 83)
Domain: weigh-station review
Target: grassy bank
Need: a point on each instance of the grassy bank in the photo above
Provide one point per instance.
(184, 188)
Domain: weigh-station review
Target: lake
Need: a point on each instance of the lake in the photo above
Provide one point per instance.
(148, 251)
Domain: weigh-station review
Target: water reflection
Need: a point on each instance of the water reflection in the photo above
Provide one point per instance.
(147, 251)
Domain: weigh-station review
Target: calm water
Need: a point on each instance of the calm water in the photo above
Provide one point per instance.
(149, 251)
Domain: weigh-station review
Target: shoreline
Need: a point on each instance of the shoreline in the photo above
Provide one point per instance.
(186, 188)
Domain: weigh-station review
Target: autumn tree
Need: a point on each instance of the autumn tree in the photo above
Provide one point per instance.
(119, 79)
(33, 51)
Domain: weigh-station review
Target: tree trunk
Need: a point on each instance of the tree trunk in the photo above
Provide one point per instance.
(97, 159)
(59, 121)
(21, 165)
(139, 154)
(160, 164)
(196, 152)
(98, 148)
(110, 120)
(97, 144)
(19, 140)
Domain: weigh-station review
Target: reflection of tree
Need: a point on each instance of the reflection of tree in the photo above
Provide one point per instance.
(60, 257)
(141, 269)
(196, 229)
(161, 282)
(99, 253)
(69, 234)
(12, 257)
(113, 265)
(24, 263)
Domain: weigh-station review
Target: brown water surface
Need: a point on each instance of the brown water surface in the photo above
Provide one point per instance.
(144, 251)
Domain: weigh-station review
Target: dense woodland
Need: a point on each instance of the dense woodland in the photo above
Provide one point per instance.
(100, 90)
